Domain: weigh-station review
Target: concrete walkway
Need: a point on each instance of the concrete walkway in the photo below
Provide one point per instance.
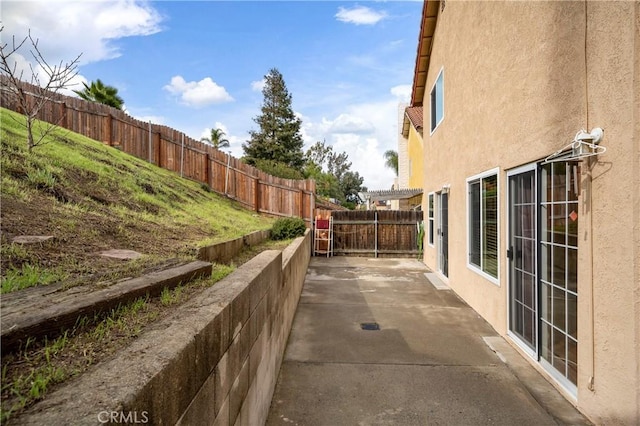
(429, 363)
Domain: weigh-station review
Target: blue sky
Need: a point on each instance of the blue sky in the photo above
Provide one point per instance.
(194, 65)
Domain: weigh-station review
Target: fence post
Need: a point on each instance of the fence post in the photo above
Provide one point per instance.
(375, 227)
(159, 151)
(110, 129)
(150, 142)
(64, 118)
(209, 171)
(301, 207)
(257, 194)
(312, 199)
(182, 158)
(226, 178)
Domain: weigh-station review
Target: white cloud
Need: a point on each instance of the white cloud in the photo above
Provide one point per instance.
(366, 158)
(347, 123)
(197, 93)
(364, 148)
(402, 92)
(66, 29)
(257, 86)
(359, 15)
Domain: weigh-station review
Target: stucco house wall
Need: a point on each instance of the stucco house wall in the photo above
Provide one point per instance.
(416, 156)
(520, 79)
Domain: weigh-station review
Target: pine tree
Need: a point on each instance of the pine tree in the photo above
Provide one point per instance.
(279, 138)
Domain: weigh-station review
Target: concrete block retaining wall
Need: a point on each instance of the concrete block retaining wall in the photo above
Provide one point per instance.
(224, 252)
(215, 361)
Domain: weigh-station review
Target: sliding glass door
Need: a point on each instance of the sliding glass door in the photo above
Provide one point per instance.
(543, 265)
(559, 269)
(523, 302)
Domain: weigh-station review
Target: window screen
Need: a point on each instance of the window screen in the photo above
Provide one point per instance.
(483, 224)
(437, 101)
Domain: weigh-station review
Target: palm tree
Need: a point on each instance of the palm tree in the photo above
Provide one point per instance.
(217, 139)
(98, 92)
(391, 160)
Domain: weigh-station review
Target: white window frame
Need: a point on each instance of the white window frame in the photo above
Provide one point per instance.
(431, 219)
(514, 337)
(433, 126)
(493, 172)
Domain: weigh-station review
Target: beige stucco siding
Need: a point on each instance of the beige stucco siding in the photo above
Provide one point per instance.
(613, 87)
(507, 102)
(516, 89)
(416, 158)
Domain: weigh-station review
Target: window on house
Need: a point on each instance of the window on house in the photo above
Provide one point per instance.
(431, 219)
(437, 101)
(483, 223)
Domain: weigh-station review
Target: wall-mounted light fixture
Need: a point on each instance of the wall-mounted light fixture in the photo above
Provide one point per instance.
(585, 144)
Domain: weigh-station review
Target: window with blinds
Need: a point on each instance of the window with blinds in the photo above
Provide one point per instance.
(483, 223)
(437, 101)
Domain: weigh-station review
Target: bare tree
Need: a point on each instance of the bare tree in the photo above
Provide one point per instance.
(44, 90)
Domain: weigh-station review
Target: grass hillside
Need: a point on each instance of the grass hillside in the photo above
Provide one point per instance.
(90, 198)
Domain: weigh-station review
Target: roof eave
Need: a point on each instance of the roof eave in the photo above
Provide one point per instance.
(425, 41)
(405, 126)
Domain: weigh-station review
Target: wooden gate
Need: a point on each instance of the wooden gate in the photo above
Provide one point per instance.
(375, 233)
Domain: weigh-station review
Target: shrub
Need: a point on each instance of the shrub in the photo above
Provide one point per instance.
(278, 169)
(289, 227)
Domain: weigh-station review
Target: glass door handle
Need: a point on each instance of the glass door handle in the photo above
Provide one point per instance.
(510, 253)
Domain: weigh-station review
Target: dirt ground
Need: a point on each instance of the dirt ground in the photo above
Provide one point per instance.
(41, 366)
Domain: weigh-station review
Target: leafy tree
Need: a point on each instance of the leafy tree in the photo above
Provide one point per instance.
(391, 160)
(332, 173)
(351, 184)
(279, 138)
(326, 184)
(319, 153)
(338, 165)
(56, 78)
(98, 92)
(217, 139)
(275, 168)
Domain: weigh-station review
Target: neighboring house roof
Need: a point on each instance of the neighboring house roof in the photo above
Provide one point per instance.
(393, 194)
(412, 115)
(427, 28)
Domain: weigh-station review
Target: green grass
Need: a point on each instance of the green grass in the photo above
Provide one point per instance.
(93, 197)
(220, 271)
(28, 276)
(142, 183)
(28, 375)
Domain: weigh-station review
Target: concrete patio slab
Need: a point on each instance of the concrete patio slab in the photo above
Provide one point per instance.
(426, 362)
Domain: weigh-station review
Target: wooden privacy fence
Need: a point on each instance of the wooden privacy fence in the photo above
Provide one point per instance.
(376, 233)
(173, 150)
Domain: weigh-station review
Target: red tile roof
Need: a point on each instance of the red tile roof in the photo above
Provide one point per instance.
(415, 116)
